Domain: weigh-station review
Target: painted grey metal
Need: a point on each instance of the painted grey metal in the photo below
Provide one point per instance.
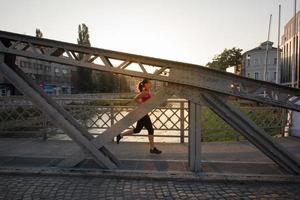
(123, 124)
(18, 112)
(240, 122)
(57, 114)
(195, 81)
(165, 70)
(195, 130)
(182, 120)
(254, 134)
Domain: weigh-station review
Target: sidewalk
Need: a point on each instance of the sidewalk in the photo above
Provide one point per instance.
(233, 158)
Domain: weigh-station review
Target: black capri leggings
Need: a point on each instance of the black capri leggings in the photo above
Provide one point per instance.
(144, 122)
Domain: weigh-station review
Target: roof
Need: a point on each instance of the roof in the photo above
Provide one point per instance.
(261, 47)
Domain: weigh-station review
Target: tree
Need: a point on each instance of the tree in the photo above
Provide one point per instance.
(83, 35)
(38, 33)
(85, 75)
(124, 85)
(100, 81)
(228, 58)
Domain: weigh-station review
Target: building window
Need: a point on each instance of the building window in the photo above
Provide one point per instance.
(22, 64)
(56, 71)
(274, 76)
(40, 67)
(64, 71)
(256, 75)
(275, 61)
(47, 68)
(248, 60)
(248, 75)
(35, 66)
(3, 92)
(28, 65)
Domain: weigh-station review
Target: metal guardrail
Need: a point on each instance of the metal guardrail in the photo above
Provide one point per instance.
(18, 115)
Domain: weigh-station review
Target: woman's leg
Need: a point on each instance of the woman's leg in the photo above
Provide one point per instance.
(138, 128)
(126, 133)
(149, 127)
(151, 141)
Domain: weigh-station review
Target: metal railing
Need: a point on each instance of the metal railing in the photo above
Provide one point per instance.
(18, 115)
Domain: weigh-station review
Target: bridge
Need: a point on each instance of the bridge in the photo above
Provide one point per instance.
(199, 85)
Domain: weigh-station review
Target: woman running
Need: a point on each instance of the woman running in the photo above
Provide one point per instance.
(145, 93)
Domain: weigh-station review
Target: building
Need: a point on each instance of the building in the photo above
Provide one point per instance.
(254, 62)
(52, 77)
(233, 70)
(290, 45)
(290, 51)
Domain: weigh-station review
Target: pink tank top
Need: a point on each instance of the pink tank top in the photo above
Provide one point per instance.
(146, 97)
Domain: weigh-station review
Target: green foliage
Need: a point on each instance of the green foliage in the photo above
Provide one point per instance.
(83, 35)
(38, 33)
(216, 129)
(85, 75)
(228, 58)
(91, 81)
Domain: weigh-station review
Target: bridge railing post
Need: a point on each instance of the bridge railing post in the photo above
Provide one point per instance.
(111, 114)
(182, 121)
(195, 137)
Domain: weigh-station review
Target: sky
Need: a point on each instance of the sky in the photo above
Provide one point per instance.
(192, 31)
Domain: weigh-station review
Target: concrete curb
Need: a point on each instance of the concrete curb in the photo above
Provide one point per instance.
(136, 174)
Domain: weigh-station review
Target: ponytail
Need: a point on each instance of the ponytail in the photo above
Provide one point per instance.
(142, 84)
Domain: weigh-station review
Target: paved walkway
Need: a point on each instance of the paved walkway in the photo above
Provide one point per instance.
(225, 158)
(218, 157)
(15, 187)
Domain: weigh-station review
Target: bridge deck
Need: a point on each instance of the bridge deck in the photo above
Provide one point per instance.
(218, 157)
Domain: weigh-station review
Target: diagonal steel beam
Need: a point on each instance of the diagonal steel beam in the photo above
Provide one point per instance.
(123, 124)
(56, 113)
(253, 133)
(240, 122)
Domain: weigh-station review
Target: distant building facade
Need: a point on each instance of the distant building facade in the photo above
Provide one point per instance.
(233, 70)
(290, 51)
(254, 62)
(53, 78)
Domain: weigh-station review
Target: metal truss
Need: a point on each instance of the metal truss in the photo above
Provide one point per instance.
(198, 84)
(252, 133)
(147, 67)
(244, 125)
(123, 124)
(57, 114)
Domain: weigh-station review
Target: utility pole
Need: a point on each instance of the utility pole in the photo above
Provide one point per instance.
(267, 51)
(278, 47)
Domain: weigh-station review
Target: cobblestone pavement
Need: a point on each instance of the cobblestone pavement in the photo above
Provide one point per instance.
(70, 187)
